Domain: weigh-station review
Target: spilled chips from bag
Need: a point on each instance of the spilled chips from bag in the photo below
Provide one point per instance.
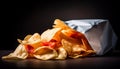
(59, 42)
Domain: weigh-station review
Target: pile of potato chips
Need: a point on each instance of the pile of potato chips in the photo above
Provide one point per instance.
(60, 42)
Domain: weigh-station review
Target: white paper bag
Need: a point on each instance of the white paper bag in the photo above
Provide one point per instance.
(99, 33)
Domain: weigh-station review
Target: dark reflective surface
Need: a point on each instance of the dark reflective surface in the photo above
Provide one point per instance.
(97, 62)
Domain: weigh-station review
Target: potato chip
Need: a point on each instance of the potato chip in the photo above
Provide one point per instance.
(62, 54)
(84, 54)
(34, 40)
(25, 39)
(45, 53)
(59, 42)
(51, 34)
(19, 40)
(60, 24)
(77, 36)
(28, 36)
(19, 53)
(74, 48)
(67, 46)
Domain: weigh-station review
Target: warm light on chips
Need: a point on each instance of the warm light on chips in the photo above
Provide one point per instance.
(62, 54)
(59, 42)
(19, 53)
(34, 40)
(60, 24)
(51, 34)
(45, 53)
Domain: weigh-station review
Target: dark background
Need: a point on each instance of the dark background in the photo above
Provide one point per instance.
(20, 18)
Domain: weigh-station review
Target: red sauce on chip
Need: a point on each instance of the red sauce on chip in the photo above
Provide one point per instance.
(52, 43)
(76, 35)
(29, 49)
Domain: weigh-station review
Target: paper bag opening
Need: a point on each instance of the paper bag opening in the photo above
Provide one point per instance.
(99, 33)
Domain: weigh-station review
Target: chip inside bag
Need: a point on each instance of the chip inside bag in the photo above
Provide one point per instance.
(59, 42)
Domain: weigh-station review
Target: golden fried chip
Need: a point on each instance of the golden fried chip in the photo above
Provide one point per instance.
(62, 54)
(34, 40)
(51, 34)
(45, 53)
(84, 54)
(70, 33)
(28, 36)
(74, 48)
(19, 40)
(67, 46)
(19, 53)
(25, 39)
(59, 42)
(60, 24)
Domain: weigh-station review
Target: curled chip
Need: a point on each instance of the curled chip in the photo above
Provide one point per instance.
(19, 53)
(45, 53)
(62, 54)
(51, 34)
(59, 42)
(34, 40)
